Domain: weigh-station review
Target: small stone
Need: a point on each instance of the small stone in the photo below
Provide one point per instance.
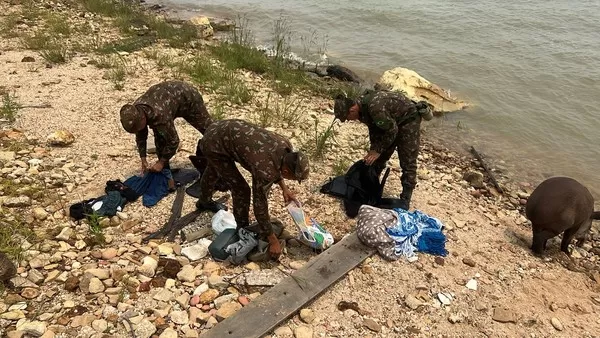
(469, 261)
(164, 295)
(168, 333)
(472, 284)
(455, 318)
(372, 325)
(284, 331)
(187, 274)
(60, 138)
(30, 293)
(212, 321)
(165, 249)
(219, 301)
(12, 315)
(195, 252)
(439, 261)
(99, 273)
(412, 302)
(183, 299)
(307, 315)
(201, 289)
(28, 59)
(72, 283)
(34, 328)
(503, 315)
(296, 265)
(35, 276)
(179, 317)
(209, 296)
(95, 286)
(227, 310)
(109, 253)
(253, 266)
(303, 331)
(445, 299)
(474, 178)
(216, 282)
(145, 329)
(17, 202)
(556, 323)
(243, 300)
(65, 234)
(100, 325)
(210, 268)
(40, 214)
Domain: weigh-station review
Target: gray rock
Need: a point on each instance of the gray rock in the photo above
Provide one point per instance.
(224, 299)
(39, 261)
(168, 333)
(40, 214)
(34, 328)
(474, 178)
(65, 234)
(216, 282)
(145, 329)
(35, 276)
(263, 278)
(179, 317)
(99, 273)
(164, 295)
(95, 286)
(17, 202)
(187, 274)
(100, 325)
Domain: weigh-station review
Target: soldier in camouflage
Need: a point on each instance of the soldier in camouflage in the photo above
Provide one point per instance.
(158, 108)
(269, 158)
(394, 124)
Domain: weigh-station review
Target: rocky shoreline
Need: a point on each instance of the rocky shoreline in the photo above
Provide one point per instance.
(70, 285)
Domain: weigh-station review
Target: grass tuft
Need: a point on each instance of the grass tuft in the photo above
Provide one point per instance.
(10, 107)
(13, 232)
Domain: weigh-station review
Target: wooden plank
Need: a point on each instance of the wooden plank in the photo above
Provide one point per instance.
(266, 312)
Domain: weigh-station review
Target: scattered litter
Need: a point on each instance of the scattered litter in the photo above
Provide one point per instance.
(223, 220)
(310, 232)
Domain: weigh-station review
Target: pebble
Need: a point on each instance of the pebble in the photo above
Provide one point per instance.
(219, 301)
(34, 328)
(217, 282)
(164, 295)
(445, 299)
(307, 315)
(145, 329)
(297, 265)
(165, 249)
(412, 302)
(503, 315)
(469, 261)
(209, 296)
(168, 333)
(227, 310)
(243, 300)
(109, 253)
(471, 284)
(201, 289)
(284, 331)
(187, 274)
(99, 273)
(557, 324)
(179, 317)
(195, 252)
(100, 325)
(17, 202)
(252, 266)
(95, 286)
(40, 214)
(372, 325)
(30, 293)
(303, 331)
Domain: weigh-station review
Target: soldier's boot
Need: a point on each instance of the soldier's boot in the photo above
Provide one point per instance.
(210, 206)
(405, 197)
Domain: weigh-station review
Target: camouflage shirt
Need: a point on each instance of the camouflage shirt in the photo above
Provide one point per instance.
(162, 104)
(256, 149)
(383, 112)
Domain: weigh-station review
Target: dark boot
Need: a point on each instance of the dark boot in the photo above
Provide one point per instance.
(405, 198)
(210, 206)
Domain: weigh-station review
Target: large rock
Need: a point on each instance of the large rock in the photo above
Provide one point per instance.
(418, 89)
(17, 202)
(203, 25)
(60, 138)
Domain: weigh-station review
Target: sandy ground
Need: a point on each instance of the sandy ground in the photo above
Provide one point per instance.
(496, 239)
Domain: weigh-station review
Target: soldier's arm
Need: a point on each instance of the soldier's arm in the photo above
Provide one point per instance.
(141, 140)
(171, 140)
(260, 192)
(385, 126)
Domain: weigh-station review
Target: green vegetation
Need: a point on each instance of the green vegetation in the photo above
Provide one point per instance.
(13, 232)
(10, 107)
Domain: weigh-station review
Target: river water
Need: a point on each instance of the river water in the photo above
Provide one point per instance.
(531, 68)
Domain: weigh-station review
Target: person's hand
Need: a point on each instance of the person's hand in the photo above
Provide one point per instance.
(371, 157)
(157, 167)
(144, 166)
(289, 197)
(274, 246)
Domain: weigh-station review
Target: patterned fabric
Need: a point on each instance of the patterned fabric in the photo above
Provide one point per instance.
(162, 103)
(371, 229)
(257, 150)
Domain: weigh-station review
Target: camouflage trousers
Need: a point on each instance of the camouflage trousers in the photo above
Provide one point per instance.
(407, 144)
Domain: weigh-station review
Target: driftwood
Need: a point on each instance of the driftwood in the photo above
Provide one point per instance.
(487, 170)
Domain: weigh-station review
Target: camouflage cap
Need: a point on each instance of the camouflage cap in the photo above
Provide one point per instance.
(342, 106)
(299, 164)
(131, 118)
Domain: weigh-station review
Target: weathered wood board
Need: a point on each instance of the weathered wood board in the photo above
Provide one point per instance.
(281, 302)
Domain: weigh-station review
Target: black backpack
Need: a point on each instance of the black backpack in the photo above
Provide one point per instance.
(360, 185)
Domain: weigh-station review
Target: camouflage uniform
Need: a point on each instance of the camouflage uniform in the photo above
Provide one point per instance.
(257, 150)
(162, 104)
(394, 124)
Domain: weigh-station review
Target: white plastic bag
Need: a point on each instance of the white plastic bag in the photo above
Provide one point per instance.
(223, 220)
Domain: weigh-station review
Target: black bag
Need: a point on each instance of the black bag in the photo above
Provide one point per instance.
(360, 185)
